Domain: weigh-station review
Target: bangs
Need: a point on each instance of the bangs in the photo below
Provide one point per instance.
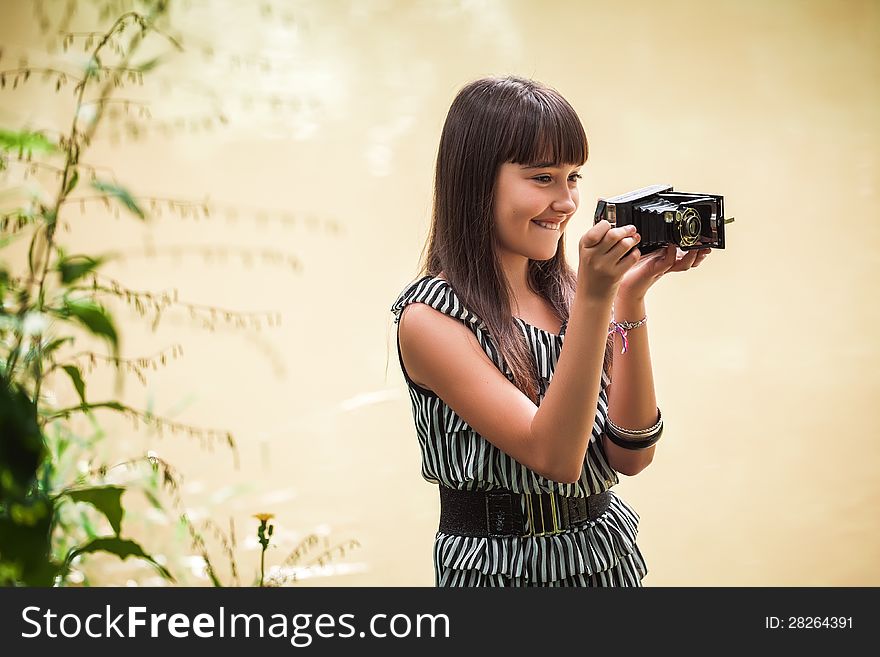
(544, 129)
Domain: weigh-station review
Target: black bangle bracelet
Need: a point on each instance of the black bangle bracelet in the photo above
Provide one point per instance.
(632, 444)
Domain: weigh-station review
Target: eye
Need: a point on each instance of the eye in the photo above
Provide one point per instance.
(546, 178)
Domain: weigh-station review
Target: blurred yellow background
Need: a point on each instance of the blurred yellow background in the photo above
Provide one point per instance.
(766, 357)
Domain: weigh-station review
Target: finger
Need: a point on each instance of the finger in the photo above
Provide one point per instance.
(664, 257)
(670, 253)
(628, 261)
(704, 253)
(614, 236)
(595, 235)
(685, 263)
(619, 250)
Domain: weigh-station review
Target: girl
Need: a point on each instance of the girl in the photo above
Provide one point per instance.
(525, 466)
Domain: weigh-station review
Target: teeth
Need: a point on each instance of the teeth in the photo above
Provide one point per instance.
(546, 225)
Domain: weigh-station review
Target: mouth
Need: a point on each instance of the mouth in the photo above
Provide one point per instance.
(548, 225)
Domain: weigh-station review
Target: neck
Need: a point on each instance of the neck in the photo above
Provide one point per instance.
(516, 270)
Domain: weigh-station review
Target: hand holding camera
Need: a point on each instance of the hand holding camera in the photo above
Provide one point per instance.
(605, 255)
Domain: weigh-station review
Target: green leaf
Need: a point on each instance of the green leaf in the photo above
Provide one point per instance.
(122, 548)
(25, 542)
(56, 343)
(148, 65)
(78, 383)
(88, 527)
(71, 184)
(86, 408)
(76, 266)
(22, 447)
(93, 317)
(26, 141)
(61, 445)
(153, 500)
(120, 193)
(93, 66)
(105, 499)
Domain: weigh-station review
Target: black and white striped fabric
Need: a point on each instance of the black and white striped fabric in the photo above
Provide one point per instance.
(602, 553)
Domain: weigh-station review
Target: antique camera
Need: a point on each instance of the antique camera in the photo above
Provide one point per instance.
(663, 216)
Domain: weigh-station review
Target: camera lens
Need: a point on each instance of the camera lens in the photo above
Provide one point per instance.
(689, 226)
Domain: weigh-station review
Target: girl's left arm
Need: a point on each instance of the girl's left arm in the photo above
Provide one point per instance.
(632, 402)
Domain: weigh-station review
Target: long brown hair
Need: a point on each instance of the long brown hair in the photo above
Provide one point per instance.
(492, 121)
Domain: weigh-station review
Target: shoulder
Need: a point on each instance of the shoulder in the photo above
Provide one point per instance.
(431, 341)
(443, 355)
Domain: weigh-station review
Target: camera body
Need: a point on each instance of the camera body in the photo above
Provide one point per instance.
(663, 216)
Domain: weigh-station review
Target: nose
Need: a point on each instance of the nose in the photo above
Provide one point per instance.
(566, 202)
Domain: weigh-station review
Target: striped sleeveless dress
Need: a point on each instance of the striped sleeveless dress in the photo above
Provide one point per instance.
(602, 552)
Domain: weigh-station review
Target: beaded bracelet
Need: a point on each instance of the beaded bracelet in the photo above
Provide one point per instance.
(623, 328)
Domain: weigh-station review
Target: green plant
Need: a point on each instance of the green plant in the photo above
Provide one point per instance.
(286, 571)
(58, 493)
(50, 514)
(264, 534)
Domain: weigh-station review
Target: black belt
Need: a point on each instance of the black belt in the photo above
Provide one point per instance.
(500, 512)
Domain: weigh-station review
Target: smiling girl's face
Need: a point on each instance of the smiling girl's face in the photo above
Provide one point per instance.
(528, 195)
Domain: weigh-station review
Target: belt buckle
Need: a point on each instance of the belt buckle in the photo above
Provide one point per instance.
(530, 512)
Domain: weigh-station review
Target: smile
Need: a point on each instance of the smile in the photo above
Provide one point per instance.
(546, 225)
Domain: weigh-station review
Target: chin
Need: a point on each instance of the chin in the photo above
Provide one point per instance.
(545, 255)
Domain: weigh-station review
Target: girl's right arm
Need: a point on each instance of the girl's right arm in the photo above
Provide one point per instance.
(564, 421)
(442, 354)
